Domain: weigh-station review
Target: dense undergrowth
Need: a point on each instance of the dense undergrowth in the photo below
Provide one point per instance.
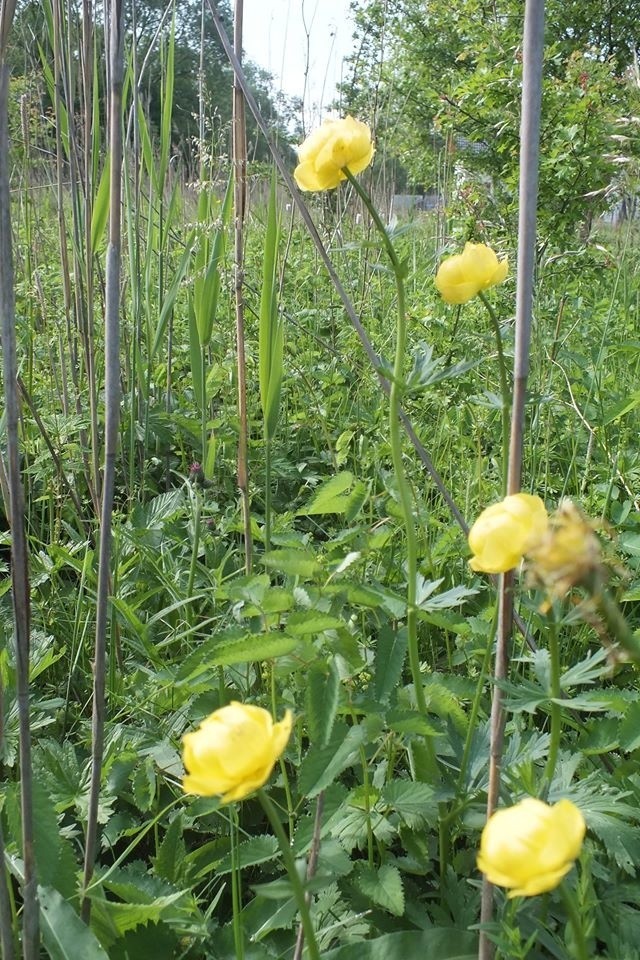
(312, 617)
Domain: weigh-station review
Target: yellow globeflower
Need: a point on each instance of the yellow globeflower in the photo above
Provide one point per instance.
(505, 531)
(330, 148)
(530, 847)
(463, 276)
(233, 751)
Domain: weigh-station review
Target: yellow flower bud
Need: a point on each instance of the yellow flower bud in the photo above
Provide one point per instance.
(334, 145)
(233, 751)
(463, 276)
(568, 553)
(530, 847)
(505, 531)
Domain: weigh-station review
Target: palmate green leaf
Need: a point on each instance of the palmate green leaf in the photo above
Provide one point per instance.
(383, 886)
(64, 935)
(322, 698)
(438, 943)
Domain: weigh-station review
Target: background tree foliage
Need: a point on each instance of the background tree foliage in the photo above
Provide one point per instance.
(148, 27)
(442, 81)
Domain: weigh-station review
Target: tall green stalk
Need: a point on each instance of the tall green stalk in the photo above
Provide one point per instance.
(294, 877)
(406, 503)
(556, 712)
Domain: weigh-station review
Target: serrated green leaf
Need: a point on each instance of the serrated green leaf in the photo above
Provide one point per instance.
(329, 497)
(437, 943)
(383, 886)
(306, 622)
(322, 697)
(64, 935)
(391, 650)
(172, 851)
(629, 731)
(322, 764)
(264, 646)
(300, 563)
(259, 849)
(415, 803)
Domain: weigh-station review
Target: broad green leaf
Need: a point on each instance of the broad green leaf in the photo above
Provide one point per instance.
(629, 731)
(322, 697)
(305, 622)
(322, 765)
(172, 851)
(391, 650)
(438, 943)
(329, 498)
(100, 210)
(301, 563)
(259, 849)
(265, 646)
(415, 802)
(383, 886)
(64, 935)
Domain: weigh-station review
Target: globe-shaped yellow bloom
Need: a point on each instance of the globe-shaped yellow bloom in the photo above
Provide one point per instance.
(530, 847)
(504, 532)
(463, 276)
(233, 751)
(334, 145)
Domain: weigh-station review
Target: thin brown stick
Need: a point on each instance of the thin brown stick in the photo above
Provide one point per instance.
(312, 866)
(239, 205)
(19, 557)
(112, 417)
(533, 53)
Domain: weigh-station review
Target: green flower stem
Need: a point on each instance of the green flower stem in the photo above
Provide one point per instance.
(475, 706)
(195, 547)
(236, 893)
(616, 624)
(571, 907)
(294, 877)
(504, 389)
(556, 713)
(396, 455)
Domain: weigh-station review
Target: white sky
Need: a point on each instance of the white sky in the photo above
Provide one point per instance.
(275, 37)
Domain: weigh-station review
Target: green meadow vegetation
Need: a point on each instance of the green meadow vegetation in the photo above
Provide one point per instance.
(243, 438)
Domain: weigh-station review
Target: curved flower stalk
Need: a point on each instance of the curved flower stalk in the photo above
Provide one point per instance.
(231, 755)
(349, 142)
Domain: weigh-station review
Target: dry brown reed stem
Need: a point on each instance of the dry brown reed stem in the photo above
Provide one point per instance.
(533, 53)
(239, 209)
(112, 415)
(19, 559)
